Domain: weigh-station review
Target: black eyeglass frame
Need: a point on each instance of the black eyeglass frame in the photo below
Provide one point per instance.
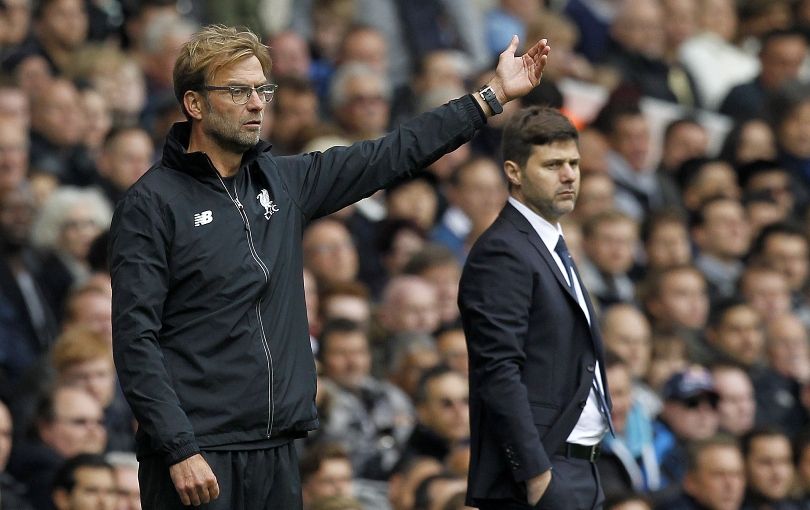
(266, 92)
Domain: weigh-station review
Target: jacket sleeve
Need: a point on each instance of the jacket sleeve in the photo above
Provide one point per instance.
(495, 297)
(322, 183)
(139, 266)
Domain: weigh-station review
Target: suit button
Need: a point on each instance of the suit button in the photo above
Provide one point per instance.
(590, 368)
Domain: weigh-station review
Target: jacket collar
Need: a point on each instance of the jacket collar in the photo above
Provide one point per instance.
(197, 163)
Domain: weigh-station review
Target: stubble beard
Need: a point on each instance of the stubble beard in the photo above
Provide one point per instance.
(228, 135)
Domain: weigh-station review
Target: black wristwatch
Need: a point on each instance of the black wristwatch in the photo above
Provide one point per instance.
(488, 95)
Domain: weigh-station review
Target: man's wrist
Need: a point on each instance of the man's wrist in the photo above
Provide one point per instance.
(490, 98)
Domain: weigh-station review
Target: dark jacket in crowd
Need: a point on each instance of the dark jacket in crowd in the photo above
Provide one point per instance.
(209, 323)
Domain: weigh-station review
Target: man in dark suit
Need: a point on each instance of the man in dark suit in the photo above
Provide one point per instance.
(539, 405)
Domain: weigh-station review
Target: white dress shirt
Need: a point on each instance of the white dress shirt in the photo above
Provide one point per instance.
(592, 425)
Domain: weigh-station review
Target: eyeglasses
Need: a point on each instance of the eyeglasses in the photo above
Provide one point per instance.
(694, 402)
(241, 93)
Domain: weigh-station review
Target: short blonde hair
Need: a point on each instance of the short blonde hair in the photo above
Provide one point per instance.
(76, 345)
(211, 49)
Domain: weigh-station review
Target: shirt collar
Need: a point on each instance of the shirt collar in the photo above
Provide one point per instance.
(548, 233)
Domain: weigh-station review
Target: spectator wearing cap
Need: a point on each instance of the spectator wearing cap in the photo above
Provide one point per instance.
(689, 414)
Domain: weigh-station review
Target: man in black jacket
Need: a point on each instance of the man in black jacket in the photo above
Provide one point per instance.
(209, 323)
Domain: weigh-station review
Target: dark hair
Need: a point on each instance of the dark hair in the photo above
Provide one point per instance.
(695, 449)
(422, 500)
(661, 217)
(337, 326)
(432, 255)
(720, 309)
(294, 84)
(440, 370)
(98, 256)
(784, 102)
(65, 478)
(690, 170)
(532, 126)
(682, 121)
(781, 228)
(624, 102)
(592, 224)
(762, 431)
(456, 176)
(650, 287)
(731, 144)
(316, 454)
(388, 230)
(698, 217)
(612, 360)
(779, 33)
(750, 170)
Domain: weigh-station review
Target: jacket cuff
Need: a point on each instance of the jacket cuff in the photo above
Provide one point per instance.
(182, 453)
(472, 106)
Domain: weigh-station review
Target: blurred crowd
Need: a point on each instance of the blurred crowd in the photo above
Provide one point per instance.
(691, 230)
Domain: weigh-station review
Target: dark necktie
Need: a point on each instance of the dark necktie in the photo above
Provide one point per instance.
(568, 264)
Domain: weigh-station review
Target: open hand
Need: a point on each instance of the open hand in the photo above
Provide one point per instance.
(516, 76)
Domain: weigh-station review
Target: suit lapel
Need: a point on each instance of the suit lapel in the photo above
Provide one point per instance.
(522, 224)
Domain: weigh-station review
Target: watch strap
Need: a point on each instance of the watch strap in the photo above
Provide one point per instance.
(488, 95)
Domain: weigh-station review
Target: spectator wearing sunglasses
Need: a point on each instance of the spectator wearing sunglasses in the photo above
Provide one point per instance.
(689, 414)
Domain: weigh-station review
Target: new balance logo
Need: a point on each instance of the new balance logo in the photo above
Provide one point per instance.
(203, 218)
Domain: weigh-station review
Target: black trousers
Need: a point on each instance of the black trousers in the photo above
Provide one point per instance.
(248, 480)
(575, 485)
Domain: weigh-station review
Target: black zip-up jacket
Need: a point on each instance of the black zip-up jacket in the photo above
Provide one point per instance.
(209, 324)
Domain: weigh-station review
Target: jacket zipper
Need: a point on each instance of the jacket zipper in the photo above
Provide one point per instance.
(266, 272)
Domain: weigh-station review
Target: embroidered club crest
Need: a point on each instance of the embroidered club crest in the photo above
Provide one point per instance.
(269, 206)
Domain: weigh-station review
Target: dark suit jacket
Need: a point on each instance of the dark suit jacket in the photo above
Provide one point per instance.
(532, 355)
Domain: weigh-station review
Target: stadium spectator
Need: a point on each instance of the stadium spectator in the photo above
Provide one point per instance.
(736, 406)
(85, 481)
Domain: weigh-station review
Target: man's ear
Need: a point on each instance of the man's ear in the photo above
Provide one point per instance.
(192, 101)
(513, 172)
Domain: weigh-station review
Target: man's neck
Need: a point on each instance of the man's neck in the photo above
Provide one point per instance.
(224, 161)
